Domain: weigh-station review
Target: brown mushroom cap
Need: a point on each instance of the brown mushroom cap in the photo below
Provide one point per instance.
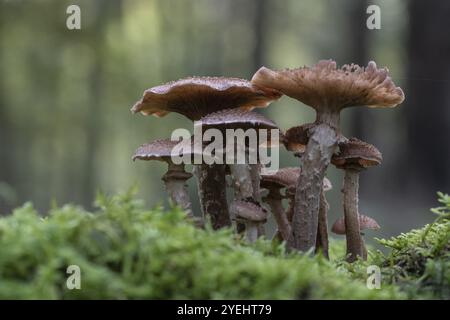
(159, 150)
(325, 86)
(249, 211)
(365, 223)
(356, 154)
(287, 178)
(296, 138)
(197, 96)
(284, 177)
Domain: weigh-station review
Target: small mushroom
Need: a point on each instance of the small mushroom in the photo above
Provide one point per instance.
(365, 223)
(175, 178)
(194, 98)
(249, 214)
(274, 182)
(353, 157)
(328, 90)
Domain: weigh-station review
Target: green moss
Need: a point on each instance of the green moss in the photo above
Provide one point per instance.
(125, 252)
(419, 261)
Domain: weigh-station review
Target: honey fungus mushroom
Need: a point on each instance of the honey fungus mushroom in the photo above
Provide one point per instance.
(175, 178)
(365, 223)
(194, 98)
(353, 157)
(274, 182)
(328, 90)
(251, 215)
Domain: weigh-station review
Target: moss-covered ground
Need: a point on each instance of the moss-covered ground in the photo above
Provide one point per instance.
(125, 251)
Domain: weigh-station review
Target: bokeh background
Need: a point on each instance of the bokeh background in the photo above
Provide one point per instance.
(66, 130)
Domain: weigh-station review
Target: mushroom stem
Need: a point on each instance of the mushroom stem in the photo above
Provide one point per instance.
(352, 229)
(175, 182)
(328, 116)
(322, 232)
(315, 161)
(251, 231)
(290, 208)
(363, 248)
(212, 194)
(255, 171)
(242, 181)
(273, 199)
(255, 175)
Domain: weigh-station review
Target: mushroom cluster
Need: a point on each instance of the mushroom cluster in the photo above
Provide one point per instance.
(224, 104)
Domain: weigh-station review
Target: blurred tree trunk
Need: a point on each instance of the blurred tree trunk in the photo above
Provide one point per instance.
(6, 134)
(427, 108)
(260, 33)
(105, 11)
(358, 51)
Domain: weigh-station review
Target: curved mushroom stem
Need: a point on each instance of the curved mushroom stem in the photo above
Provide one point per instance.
(322, 232)
(273, 199)
(314, 163)
(255, 174)
(212, 193)
(352, 229)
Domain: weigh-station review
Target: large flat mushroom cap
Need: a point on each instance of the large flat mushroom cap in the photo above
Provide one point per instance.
(162, 150)
(354, 153)
(244, 210)
(325, 86)
(365, 223)
(197, 96)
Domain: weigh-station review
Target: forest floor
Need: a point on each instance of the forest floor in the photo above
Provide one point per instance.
(124, 251)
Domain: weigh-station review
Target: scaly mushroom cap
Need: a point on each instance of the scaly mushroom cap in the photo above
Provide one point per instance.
(356, 154)
(195, 97)
(296, 138)
(365, 223)
(244, 210)
(323, 86)
(160, 150)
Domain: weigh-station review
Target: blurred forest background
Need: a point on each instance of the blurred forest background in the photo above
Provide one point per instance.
(65, 126)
